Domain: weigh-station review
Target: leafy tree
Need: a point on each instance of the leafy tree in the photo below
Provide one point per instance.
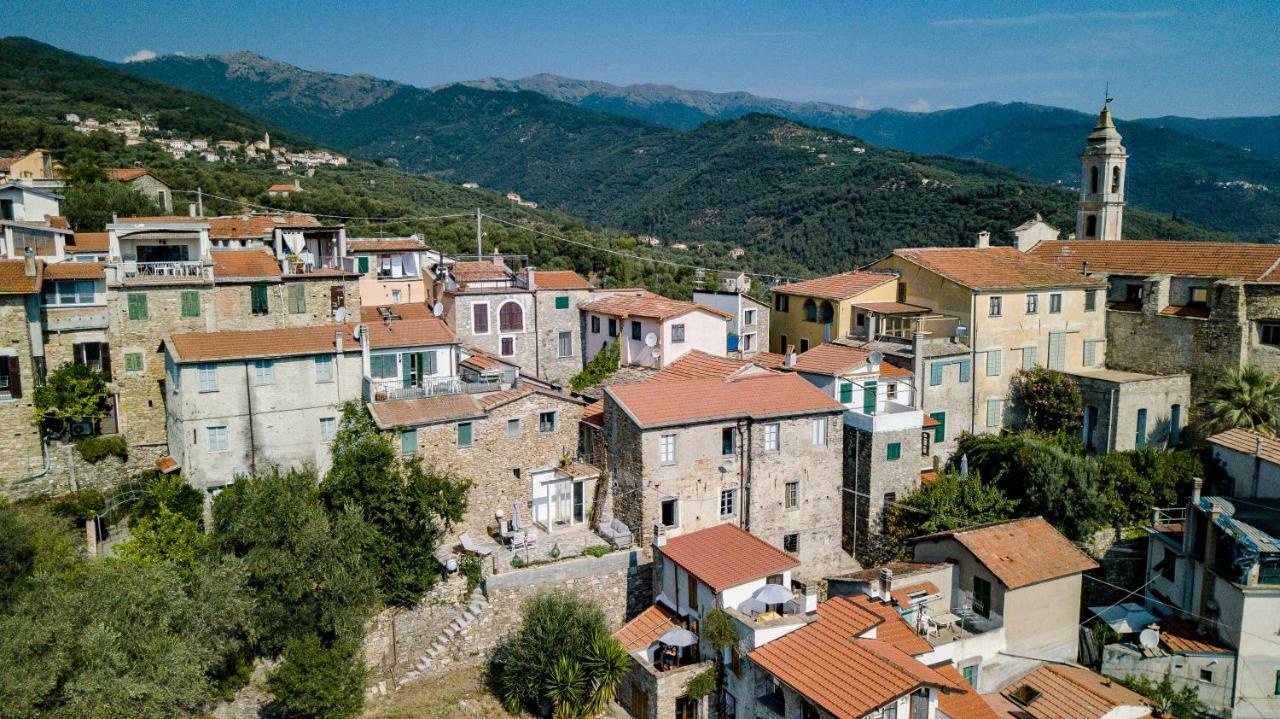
(600, 368)
(307, 570)
(1248, 398)
(1050, 400)
(168, 491)
(563, 654)
(319, 680)
(90, 206)
(720, 633)
(950, 502)
(32, 542)
(407, 509)
(165, 536)
(72, 392)
(1169, 701)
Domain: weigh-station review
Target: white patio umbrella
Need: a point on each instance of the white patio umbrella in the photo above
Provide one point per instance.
(1126, 618)
(678, 638)
(773, 594)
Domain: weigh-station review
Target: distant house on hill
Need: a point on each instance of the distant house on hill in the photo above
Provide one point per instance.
(283, 190)
(141, 180)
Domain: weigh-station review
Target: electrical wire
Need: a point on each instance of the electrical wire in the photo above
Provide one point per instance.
(282, 210)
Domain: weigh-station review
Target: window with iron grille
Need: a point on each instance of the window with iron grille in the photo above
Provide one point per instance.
(791, 494)
(791, 543)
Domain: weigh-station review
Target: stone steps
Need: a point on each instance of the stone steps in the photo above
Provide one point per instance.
(438, 651)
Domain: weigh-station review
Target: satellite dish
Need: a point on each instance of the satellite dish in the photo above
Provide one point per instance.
(875, 358)
(1149, 638)
(651, 340)
(357, 331)
(340, 314)
(437, 309)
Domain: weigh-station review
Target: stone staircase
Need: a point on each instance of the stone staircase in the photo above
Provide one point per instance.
(437, 655)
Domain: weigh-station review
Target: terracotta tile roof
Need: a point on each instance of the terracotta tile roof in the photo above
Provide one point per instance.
(836, 360)
(493, 400)
(893, 628)
(560, 280)
(768, 360)
(759, 396)
(928, 477)
(594, 413)
(1183, 635)
(725, 556)
(643, 303)
(127, 174)
(697, 364)
(1020, 552)
(244, 265)
(284, 187)
(248, 226)
(902, 595)
(891, 308)
(929, 421)
(846, 676)
(966, 704)
(1240, 260)
(88, 242)
(409, 333)
(994, 268)
(1249, 442)
(645, 628)
(428, 410)
(14, 280)
(167, 464)
(398, 244)
(57, 222)
(482, 361)
(404, 310)
(1185, 311)
(74, 271)
(837, 287)
(901, 570)
(480, 271)
(1066, 692)
(259, 344)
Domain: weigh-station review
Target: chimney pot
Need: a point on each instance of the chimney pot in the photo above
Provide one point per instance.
(29, 261)
(886, 584)
(984, 239)
(789, 357)
(1196, 485)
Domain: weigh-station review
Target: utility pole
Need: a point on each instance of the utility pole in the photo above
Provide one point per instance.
(199, 203)
(479, 236)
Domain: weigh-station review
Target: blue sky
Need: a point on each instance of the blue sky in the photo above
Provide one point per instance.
(1198, 59)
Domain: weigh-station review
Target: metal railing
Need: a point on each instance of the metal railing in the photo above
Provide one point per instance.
(380, 390)
(176, 268)
(972, 620)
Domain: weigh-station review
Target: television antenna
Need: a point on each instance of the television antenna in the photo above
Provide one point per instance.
(1106, 95)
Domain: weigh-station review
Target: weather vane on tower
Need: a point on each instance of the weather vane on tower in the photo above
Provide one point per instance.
(1106, 95)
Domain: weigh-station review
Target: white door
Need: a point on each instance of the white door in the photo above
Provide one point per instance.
(543, 485)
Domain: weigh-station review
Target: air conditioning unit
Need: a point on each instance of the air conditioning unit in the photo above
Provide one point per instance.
(82, 429)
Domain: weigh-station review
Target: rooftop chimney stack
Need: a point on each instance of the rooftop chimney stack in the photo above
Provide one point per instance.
(789, 356)
(1196, 485)
(984, 239)
(191, 209)
(659, 537)
(29, 261)
(886, 584)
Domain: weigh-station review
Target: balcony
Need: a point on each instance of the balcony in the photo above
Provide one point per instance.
(65, 319)
(390, 389)
(889, 416)
(131, 272)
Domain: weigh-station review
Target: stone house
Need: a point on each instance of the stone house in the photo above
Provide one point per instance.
(653, 331)
(1128, 410)
(749, 328)
(140, 180)
(806, 314)
(20, 286)
(733, 281)
(1251, 459)
(514, 441)
(697, 446)
(74, 322)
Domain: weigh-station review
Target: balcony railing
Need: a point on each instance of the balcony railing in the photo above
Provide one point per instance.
(381, 390)
(184, 268)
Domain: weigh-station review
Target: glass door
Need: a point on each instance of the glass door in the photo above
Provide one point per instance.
(579, 502)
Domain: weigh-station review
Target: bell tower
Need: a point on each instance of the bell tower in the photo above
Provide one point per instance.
(1100, 210)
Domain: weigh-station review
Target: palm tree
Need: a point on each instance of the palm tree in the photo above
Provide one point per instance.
(1248, 398)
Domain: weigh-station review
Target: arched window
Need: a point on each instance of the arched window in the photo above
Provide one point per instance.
(810, 310)
(1093, 180)
(511, 317)
(1115, 180)
(828, 313)
(1091, 226)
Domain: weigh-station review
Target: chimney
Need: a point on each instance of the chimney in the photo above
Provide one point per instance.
(530, 280)
(29, 261)
(886, 584)
(984, 239)
(917, 366)
(789, 356)
(191, 210)
(1196, 485)
(337, 341)
(810, 599)
(497, 256)
(659, 538)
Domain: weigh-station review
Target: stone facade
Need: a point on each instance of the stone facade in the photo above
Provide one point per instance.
(1124, 410)
(950, 402)
(20, 441)
(500, 466)
(462, 308)
(870, 476)
(69, 472)
(550, 320)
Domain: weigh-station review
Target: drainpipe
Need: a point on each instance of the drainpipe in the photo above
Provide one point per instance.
(248, 395)
(744, 468)
(917, 364)
(973, 361)
(1113, 423)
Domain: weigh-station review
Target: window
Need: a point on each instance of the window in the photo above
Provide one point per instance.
(1033, 304)
(562, 302)
(891, 390)
(994, 305)
(1199, 296)
(480, 318)
(804, 344)
(846, 391)
(995, 412)
(635, 330)
(328, 428)
(691, 591)
(547, 422)
(264, 372)
(216, 438)
(383, 366)
(925, 440)
(782, 303)
(667, 449)
(749, 317)
(408, 441)
(1277, 687)
(1093, 180)
(10, 377)
(1090, 352)
(324, 368)
(935, 374)
(1090, 300)
(513, 428)
(677, 333)
(258, 299)
(1206, 675)
(69, 292)
(810, 310)
(687, 708)
(511, 317)
(782, 344)
(1055, 303)
(1028, 357)
(670, 512)
(137, 306)
(395, 297)
(982, 596)
(807, 710)
(791, 542)
(970, 674)
(564, 344)
(1140, 438)
(1091, 226)
(1175, 423)
(1057, 350)
(507, 346)
(893, 452)
(747, 343)
(191, 303)
(819, 432)
(728, 502)
(133, 362)
(771, 439)
(940, 432)
(298, 299)
(993, 363)
(727, 440)
(208, 377)
(1115, 179)
(93, 354)
(1269, 333)
(902, 291)
(613, 327)
(464, 434)
(595, 324)
(791, 494)
(890, 712)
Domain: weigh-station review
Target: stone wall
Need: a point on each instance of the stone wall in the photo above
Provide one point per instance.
(550, 323)
(19, 435)
(1116, 402)
(69, 472)
(459, 311)
(869, 475)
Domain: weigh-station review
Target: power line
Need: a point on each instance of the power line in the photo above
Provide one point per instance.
(320, 214)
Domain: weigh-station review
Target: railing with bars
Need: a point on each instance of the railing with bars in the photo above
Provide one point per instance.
(379, 390)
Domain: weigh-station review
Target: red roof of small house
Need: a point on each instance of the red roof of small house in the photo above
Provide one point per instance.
(725, 556)
(760, 396)
(244, 265)
(260, 344)
(643, 303)
(560, 280)
(480, 271)
(1066, 692)
(836, 360)
(88, 242)
(127, 174)
(426, 410)
(966, 704)
(994, 268)
(837, 287)
(74, 271)
(645, 628)
(1020, 552)
(397, 244)
(14, 280)
(409, 333)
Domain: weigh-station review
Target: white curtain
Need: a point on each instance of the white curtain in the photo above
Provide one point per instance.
(294, 241)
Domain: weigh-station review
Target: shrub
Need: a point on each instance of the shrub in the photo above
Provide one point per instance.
(95, 449)
(72, 392)
(597, 550)
(1050, 400)
(472, 568)
(319, 681)
(600, 368)
(163, 537)
(951, 502)
(169, 491)
(1169, 701)
(79, 506)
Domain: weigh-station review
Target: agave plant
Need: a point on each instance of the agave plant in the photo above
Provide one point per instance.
(565, 689)
(606, 661)
(1248, 398)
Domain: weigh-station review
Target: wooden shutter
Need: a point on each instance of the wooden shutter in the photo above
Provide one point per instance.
(428, 363)
(106, 361)
(258, 299)
(406, 370)
(77, 353)
(297, 299)
(869, 398)
(846, 392)
(137, 306)
(1057, 350)
(190, 304)
(940, 432)
(15, 378)
(337, 297)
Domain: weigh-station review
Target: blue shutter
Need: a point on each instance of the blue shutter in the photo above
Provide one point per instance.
(966, 371)
(409, 441)
(1057, 350)
(993, 363)
(935, 374)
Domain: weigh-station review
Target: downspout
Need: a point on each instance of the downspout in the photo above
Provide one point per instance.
(248, 394)
(1113, 423)
(973, 361)
(48, 462)
(746, 473)
(742, 430)
(537, 346)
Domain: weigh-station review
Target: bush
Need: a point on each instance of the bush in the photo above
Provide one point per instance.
(472, 568)
(1050, 400)
(318, 681)
(72, 392)
(597, 550)
(600, 368)
(950, 502)
(95, 449)
(79, 506)
(168, 491)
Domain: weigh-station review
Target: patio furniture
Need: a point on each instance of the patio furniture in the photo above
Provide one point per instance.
(471, 547)
(945, 620)
(516, 539)
(530, 537)
(617, 534)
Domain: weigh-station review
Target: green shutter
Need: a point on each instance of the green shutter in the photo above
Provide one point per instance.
(297, 299)
(965, 370)
(133, 361)
(409, 441)
(869, 397)
(894, 451)
(935, 374)
(190, 303)
(562, 302)
(362, 263)
(406, 369)
(464, 434)
(1140, 439)
(993, 363)
(137, 306)
(940, 432)
(258, 299)
(429, 363)
(846, 392)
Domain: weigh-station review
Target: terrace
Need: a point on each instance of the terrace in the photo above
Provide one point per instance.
(388, 389)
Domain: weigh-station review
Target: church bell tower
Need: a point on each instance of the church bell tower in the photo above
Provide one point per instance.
(1102, 178)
